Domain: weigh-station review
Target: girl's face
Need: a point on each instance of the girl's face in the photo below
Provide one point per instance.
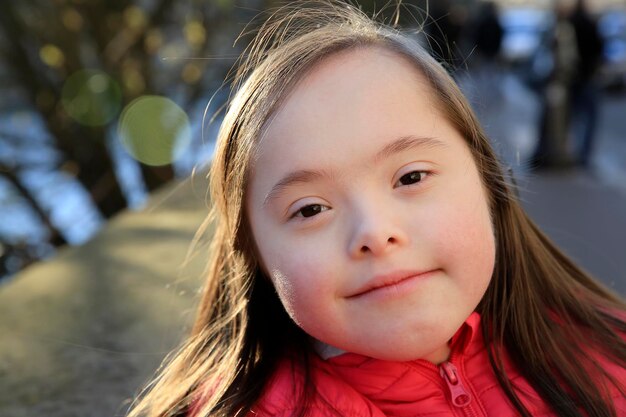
(368, 210)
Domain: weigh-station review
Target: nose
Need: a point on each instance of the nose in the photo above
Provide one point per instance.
(375, 233)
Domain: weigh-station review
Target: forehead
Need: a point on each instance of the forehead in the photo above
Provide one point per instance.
(345, 109)
(344, 91)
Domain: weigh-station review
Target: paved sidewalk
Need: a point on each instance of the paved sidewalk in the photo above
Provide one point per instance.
(584, 217)
(584, 212)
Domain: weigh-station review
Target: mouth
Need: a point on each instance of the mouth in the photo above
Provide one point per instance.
(393, 282)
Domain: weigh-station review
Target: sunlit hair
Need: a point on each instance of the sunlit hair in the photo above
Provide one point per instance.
(540, 308)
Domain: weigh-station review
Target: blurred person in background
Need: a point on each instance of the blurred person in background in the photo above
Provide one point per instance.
(486, 37)
(488, 32)
(583, 94)
(570, 98)
(557, 60)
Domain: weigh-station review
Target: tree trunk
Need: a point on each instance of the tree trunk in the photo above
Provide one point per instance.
(85, 147)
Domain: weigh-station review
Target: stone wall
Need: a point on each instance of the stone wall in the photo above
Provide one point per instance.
(82, 333)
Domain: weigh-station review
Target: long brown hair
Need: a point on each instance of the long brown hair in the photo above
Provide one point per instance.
(539, 307)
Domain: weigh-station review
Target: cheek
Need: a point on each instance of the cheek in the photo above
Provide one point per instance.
(464, 239)
(286, 288)
(477, 245)
(302, 279)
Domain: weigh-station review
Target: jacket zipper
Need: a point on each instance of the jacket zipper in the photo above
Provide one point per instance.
(459, 395)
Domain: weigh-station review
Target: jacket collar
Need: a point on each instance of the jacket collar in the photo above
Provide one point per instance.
(389, 382)
(464, 338)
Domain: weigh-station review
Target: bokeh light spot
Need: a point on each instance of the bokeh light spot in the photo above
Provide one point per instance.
(135, 17)
(153, 41)
(91, 97)
(195, 33)
(133, 81)
(191, 73)
(224, 5)
(98, 83)
(72, 19)
(52, 56)
(154, 130)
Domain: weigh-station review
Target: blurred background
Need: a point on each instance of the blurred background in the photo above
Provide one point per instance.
(107, 108)
(102, 102)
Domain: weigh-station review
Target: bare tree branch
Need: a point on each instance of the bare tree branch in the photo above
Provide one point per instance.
(56, 238)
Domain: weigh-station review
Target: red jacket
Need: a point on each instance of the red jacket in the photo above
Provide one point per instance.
(351, 385)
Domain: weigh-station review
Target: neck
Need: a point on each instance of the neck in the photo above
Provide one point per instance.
(326, 351)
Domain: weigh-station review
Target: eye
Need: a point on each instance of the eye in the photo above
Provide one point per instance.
(410, 178)
(310, 210)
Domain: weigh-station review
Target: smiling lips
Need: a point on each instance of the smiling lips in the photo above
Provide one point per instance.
(393, 281)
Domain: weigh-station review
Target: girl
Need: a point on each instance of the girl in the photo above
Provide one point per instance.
(369, 257)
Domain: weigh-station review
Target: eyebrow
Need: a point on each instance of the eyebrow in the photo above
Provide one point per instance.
(407, 142)
(304, 176)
